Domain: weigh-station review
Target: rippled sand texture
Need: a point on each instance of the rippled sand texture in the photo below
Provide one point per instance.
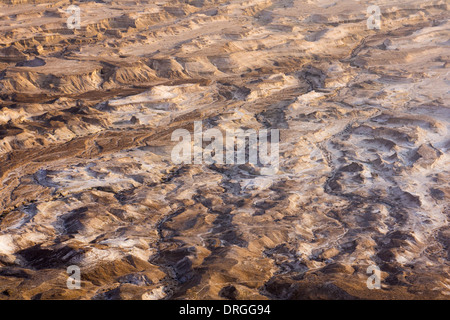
(87, 179)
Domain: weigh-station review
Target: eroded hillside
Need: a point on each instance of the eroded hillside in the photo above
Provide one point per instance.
(86, 117)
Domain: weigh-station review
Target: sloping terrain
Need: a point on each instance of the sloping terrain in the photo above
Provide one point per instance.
(87, 179)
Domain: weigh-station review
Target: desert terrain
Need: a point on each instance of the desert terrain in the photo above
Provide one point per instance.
(87, 178)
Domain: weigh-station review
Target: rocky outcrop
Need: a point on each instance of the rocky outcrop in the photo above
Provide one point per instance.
(87, 178)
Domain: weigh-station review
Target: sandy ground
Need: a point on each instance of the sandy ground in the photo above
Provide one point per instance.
(87, 178)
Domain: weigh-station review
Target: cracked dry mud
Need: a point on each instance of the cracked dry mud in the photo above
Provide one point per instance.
(86, 118)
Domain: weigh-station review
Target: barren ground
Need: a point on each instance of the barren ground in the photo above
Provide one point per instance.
(86, 118)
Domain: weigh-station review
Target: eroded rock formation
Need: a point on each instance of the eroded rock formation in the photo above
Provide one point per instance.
(85, 149)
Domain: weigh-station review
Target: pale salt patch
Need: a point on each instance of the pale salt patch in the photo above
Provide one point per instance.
(155, 294)
(157, 93)
(303, 100)
(95, 255)
(7, 245)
